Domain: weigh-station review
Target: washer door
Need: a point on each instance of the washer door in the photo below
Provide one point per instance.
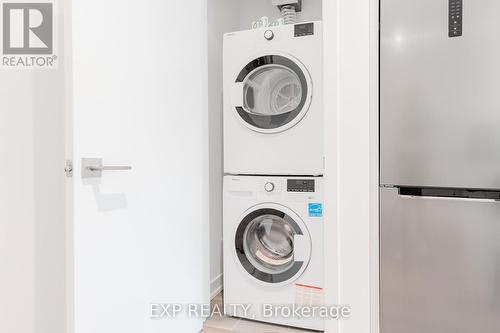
(272, 93)
(273, 244)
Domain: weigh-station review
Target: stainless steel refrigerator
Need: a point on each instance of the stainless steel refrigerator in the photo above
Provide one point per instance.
(440, 166)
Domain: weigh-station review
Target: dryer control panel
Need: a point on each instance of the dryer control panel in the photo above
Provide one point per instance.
(301, 185)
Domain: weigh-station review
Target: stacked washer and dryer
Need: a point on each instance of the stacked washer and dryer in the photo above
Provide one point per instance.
(273, 164)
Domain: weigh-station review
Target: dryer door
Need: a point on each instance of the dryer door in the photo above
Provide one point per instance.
(272, 93)
(273, 244)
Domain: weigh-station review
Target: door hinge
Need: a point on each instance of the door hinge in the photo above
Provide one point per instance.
(69, 168)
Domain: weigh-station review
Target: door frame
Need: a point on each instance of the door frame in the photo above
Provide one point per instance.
(68, 105)
(352, 161)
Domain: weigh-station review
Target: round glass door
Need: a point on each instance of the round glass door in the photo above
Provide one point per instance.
(276, 93)
(266, 245)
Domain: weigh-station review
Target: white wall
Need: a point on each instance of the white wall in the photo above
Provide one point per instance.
(223, 16)
(352, 143)
(331, 237)
(32, 200)
(374, 168)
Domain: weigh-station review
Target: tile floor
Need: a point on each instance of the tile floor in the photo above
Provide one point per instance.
(223, 324)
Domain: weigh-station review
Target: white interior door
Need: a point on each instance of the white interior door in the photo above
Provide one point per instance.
(139, 100)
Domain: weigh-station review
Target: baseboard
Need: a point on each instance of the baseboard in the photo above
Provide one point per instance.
(215, 286)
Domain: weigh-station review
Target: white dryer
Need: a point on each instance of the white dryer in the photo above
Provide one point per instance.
(273, 248)
(273, 108)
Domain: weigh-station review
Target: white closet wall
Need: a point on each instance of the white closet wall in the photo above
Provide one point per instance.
(223, 16)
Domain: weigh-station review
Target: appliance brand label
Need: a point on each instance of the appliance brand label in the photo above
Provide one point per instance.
(315, 210)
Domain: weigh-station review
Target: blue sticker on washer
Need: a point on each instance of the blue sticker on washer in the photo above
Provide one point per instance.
(315, 210)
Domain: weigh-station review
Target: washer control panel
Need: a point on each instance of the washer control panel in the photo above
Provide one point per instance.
(455, 18)
(301, 185)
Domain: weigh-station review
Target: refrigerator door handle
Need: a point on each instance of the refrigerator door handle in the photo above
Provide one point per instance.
(448, 199)
(459, 194)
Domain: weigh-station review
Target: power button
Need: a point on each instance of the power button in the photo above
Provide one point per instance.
(269, 187)
(269, 34)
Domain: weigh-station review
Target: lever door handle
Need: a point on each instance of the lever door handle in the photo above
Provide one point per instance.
(109, 168)
(93, 167)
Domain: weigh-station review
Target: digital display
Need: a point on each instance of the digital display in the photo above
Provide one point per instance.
(305, 29)
(301, 185)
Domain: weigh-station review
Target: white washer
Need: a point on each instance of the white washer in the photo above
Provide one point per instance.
(273, 247)
(273, 108)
